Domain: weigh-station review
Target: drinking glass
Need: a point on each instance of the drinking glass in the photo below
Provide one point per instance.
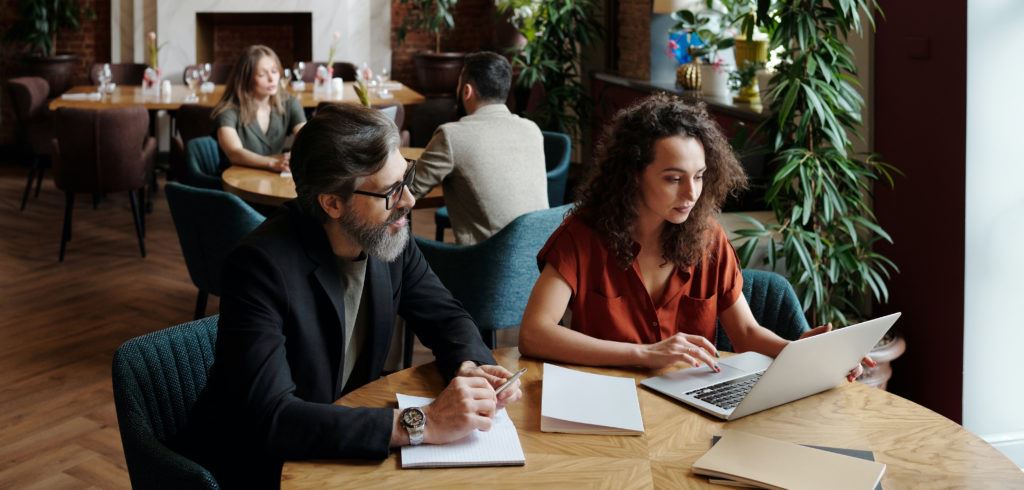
(206, 71)
(104, 77)
(193, 75)
(286, 78)
(385, 74)
(298, 69)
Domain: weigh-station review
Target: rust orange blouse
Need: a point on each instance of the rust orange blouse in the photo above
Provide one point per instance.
(611, 303)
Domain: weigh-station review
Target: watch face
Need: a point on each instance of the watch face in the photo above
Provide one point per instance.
(412, 417)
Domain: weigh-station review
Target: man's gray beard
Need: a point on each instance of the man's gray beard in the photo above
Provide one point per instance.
(377, 240)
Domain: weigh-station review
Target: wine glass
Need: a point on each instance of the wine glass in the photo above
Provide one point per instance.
(104, 77)
(206, 71)
(193, 74)
(286, 78)
(298, 69)
(385, 74)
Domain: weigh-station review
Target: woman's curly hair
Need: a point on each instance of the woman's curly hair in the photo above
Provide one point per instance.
(608, 198)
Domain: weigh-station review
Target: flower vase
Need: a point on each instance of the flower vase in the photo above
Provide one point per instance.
(322, 82)
(715, 80)
(151, 82)
(688, 75)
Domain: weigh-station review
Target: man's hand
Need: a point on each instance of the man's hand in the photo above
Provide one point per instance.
(691, 349)
(858, 369)
(466, 404)
(495, 376)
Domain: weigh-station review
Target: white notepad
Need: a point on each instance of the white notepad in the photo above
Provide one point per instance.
(576, 402)
(496, 447)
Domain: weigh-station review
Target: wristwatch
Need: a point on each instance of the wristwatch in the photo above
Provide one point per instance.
(414, 421)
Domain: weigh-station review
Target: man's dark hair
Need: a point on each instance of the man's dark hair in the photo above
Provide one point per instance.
(490, 73)
(337, 148)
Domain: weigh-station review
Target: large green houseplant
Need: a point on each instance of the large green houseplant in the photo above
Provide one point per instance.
(35, 31)
(557, 33)
(437, 72)
(821, 190)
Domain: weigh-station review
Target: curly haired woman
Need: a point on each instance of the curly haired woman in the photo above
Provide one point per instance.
(641, 261)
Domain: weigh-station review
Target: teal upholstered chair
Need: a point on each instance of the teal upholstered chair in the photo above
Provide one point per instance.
(210, 223)
(157, 379)
(504, 268)
(557, 150)
(774, 304)
(203, 164)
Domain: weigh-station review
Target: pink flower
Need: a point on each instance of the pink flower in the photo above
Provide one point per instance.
(152, 36)
(336, 36)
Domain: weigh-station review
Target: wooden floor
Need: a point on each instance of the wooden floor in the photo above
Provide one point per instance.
(60, 324)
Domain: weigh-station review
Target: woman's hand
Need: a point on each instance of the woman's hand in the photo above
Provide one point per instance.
(280, 163)
(858, 369)
(691, 349)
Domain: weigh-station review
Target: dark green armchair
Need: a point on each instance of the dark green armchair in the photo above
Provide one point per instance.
(157, 379)
(774, 304)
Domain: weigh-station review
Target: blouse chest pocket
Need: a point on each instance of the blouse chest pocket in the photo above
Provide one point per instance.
(698, 315)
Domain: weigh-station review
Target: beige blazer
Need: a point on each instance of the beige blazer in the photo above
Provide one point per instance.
(491, 164)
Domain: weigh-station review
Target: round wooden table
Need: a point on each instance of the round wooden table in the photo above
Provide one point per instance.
(271, 189)
(921, 448)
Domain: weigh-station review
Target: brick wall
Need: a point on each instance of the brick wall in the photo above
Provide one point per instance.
(634, 39)
(475, 27)
(229, 41)
(91, 44)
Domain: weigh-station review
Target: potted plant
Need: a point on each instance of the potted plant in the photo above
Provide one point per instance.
(549, 64)
(437, 72)
(821, 191)
(704, 34)
(36, 31)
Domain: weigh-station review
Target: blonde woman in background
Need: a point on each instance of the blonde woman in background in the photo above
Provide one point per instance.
(254, 117)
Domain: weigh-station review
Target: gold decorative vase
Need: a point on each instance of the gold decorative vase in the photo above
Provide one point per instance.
(688, 75)
(752, 51)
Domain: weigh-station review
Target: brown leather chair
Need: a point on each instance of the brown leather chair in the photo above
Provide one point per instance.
(103, 151)
(34, 128)
(121, 73)
(399, 116)
(191, 121)
(343, 69)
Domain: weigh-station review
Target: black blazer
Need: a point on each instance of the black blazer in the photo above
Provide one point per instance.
(279, 354)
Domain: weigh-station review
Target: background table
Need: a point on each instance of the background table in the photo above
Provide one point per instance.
(270, 189)
(128, 95)
(921, 448)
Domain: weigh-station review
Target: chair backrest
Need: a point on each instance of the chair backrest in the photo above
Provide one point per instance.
(203, 164)
(394, 110)
(28, 95)
(121, 73)
(193, 121)
(101, 150)
(210, 223)
(557, 150)
(157, 379)
(504, 268)
(345, 70)
(774, 304)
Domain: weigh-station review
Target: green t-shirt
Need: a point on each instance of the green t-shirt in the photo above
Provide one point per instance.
(271, 142)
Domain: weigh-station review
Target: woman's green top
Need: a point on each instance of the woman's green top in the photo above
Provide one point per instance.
(271, 142)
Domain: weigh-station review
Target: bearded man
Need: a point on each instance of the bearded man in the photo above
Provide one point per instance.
(308, 311)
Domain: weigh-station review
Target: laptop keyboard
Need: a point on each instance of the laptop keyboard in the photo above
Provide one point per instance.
(727, 394)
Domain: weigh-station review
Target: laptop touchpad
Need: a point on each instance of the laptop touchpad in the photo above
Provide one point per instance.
(750, 362)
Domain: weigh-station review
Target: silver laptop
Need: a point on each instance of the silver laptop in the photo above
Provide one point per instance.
(751, 382)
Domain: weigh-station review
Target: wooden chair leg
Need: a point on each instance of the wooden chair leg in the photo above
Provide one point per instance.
(69, 206)
(28, 185)
(201, 298)
(136, 211)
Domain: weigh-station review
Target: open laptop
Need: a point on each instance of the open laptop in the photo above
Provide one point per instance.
(751, 382)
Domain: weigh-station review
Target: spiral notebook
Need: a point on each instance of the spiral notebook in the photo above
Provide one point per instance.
(497, 447)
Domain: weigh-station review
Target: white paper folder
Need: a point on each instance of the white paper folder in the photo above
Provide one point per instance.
(576, 402)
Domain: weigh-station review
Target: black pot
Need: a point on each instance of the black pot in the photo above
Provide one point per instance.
(56, 70)
(438, 73)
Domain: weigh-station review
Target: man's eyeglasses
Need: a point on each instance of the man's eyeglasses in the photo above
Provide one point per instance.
(394, 194)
